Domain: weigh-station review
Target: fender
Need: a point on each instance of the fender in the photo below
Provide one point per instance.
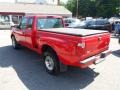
(61, 46)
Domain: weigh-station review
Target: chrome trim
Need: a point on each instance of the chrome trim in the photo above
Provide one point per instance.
(96, 57)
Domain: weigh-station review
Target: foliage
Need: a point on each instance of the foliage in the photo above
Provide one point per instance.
(107, 8)
(99, 8)
(71, 5)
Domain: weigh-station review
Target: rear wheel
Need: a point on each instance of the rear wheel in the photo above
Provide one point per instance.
(14, 43)
(51, 62)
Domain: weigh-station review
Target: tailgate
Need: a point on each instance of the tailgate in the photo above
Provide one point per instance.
(95, 44)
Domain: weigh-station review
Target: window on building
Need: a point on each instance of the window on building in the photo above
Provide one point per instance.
(15, 19)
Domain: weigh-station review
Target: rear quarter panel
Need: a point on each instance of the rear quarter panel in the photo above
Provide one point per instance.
(64, 45)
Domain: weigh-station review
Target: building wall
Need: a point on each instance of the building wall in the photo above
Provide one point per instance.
(39, 1)
(7, 1)
(54, 2)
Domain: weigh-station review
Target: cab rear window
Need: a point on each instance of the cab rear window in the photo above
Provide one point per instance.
(46, 23)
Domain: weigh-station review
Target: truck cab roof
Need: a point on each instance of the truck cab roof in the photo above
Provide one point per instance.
(51, 16)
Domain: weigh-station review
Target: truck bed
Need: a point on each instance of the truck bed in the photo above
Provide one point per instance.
(96, 41)
(76, 32)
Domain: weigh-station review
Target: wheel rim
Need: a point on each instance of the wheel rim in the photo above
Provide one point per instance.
(49, 63)
(13, 42)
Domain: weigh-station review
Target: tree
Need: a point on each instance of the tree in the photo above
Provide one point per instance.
(71, 5)
(99, 8)
(87, 8)
(107, 8)
(62, 3)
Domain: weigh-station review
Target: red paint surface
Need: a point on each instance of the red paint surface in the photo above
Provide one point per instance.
(64, 45)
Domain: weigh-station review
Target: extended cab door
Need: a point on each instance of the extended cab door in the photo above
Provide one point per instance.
(20, 31)
(28, 33)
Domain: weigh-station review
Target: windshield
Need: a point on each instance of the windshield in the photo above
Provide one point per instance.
(47, 23)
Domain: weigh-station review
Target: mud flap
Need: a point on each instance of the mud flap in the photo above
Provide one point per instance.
(63, 68)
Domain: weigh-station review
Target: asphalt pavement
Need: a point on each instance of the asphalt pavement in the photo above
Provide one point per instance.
(23, 70)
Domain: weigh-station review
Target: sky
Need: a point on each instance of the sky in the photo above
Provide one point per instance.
(12, 1)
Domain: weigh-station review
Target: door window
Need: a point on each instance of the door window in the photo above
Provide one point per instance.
(23, 23)
(30, 21)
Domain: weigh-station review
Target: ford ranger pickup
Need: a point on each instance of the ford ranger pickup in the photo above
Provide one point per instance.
(59, 46)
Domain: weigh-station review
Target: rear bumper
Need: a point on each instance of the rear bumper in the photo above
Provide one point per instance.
(95, 59)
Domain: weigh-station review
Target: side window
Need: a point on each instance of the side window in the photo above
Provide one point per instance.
(47, 23)
(23, 23)
(30, 21)
(40, 23)
(92, 23)
(89, 23)
(99, 22)
(69, 21)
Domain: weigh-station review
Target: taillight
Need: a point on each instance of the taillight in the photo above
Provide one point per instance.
(82, 45)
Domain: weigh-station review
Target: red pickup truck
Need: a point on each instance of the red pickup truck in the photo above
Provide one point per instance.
(60, 46)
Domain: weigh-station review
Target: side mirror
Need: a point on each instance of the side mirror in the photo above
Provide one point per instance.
(18, 26)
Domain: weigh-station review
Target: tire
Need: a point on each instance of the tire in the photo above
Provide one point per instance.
(51, 62)
(14, 43)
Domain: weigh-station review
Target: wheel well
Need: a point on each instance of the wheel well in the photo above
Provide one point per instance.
(48, 48)
(63, 67)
